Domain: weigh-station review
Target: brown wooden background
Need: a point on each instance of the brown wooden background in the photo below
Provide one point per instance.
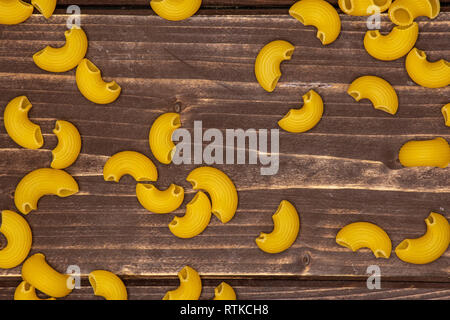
(342, 171)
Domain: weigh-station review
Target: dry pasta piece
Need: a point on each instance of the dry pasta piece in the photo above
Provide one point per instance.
(427, 74)
(107, 285)
(14, 11)
(46, 7)
(160, 136)
(133, 163)
(68, 147)
(363, 7)
(190, 286)
(224, 292)
(175, 10)
(26, 291)
(403, 12)
(158, 201)
(446, 113)
(425, 153)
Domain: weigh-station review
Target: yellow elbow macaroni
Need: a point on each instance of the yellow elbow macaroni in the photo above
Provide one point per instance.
(446, 113)
(68, 147)
(190, 286)
(218, 185)
(306, 118)
(175, 10)
(18, 236)
(319, 14)
(267, 64)
(158, 201)
(365, 235)
(196, 219)
(425, 73)
(133, 163)
(377, 90)
(224, 292)
(65, 58)
(91, 85)
(403, 12)
(46, 7)
(160, 136)
(24, 132)
(37, 272)
(26, 291)
(392, 46)
(425, 153)
(286, 225)
(14, 11)
(41, 182)
(363, 7)
(107, 285)
(430, 246)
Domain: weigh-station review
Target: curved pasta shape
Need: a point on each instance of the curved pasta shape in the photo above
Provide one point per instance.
(158, 201)
(175, 10)
(26, 291)
(37, 272)
(446, 113)
(218, 185)
(91, 85)
(305, 118)
(133, 163)
(286, 225)
(65, 58)
(362, 7)
(377, 90)
(46, 7)
(41, 182)
(18, 236)
(319, 14)
(224, 292)
(160, 136)
(24, 132)
(196, 219)
(68, 147)
(427, 74)
(14, 11)
(403, 12)
(430, 246)
(394, 45)
(190, 286)
(359, 235)
(425, 153)
(267, 64)
(107, 285)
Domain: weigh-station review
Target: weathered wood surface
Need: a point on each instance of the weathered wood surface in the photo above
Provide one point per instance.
(342, 171)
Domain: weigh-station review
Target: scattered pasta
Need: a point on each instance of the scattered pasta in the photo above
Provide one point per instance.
(190, 286)
(26, 291)
(305, 118)
(107, 285)
(14, 11)
(66, 57)
(46, 7)
(224, 292)
(403, 12)
(24, 132)
(160, 136)
(68, 147)
(425, 153)
(446, 113)
(363, 7)
(158, 201)
(359, 235)
(319, 14)
(377, 90)
(427, 74)
(133, 163)
(41, 182)
(430, 246)
(91, 85)
(175, 10)
(267, 64)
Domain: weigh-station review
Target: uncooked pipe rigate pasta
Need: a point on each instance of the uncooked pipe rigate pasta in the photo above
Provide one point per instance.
(133, 163)
(158, 201)
(14, 11)
(403, 12)
(190, 286)
(363, 7)
(26, 291)
(68, 147)
(427, 74)
(175, 10)
(107, 285)
(160, 136)
(446, 113)
(224, 292)
(425, 153)
(46, 7)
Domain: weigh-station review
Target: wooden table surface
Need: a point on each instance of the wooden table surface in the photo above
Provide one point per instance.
(342, 171)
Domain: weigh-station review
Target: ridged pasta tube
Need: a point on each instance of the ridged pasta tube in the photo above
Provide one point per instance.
(430, 246)
(18, 235)
(38, 273)
(224, 292)
(267, 64)
(427, 74)
(175, 10)
(196, 219)
(359, 235)
(46, 7)
(14, 11)
(66, 57)
(425, 153)
(286, 225)
(158, 201)
(394, 45)
(41, 182)
(107, 285)
(221, 189)
(446, 113)
(91, 85)
(305, 118)
(403, 12)
(377, 90)
(319, 14)
(24, 132)
(68, 147)
(26, 291)
(133, 163)
(363, 7)
(190, 286)
(160, 136)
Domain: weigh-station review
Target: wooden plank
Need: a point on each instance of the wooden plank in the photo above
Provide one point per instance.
(342, 171)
